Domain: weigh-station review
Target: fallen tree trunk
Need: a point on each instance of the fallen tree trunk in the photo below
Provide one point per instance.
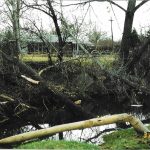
(135, 122)
(52, 94)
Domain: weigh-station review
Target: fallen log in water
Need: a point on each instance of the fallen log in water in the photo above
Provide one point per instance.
(135, 122)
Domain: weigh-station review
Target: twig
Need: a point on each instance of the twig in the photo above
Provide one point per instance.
(7, 98)
(100, 133)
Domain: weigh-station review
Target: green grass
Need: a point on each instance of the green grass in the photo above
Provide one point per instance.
(51, 144)
(34, 58)
(119, 140)
(38, 58)
(125, 139)
(105, 60)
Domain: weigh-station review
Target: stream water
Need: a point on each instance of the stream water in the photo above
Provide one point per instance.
(90, 135)
(87, 135)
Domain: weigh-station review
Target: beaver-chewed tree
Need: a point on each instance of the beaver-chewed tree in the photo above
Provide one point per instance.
(27, 99)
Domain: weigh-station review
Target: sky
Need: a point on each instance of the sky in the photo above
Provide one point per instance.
(100, 13)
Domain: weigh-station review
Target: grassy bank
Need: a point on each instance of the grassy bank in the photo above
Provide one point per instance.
(106, 60)
(50, 144)
(119, 140)
(125, 139)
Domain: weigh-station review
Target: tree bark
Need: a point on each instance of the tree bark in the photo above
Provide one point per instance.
(12, 47)
(16, 25)
(49, 10)
(125, 43)
(60, 40)
(135, 122)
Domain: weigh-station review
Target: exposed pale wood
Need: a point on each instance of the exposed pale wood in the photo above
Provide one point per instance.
(30, 80)
(135, 122)
(6, 98)
(53, 95)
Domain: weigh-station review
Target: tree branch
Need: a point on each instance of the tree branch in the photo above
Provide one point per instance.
(83, 3)
(51, 93)
(30, 80)
(139, 5)
(6, 98)
(110, 1)
(38, 7)
(136, 85)
(100, 133)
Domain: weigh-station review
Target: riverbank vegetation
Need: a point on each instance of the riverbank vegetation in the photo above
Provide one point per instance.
(121, 139)
(125, 139)
(78, 72)
(107, 60)
(51, 144)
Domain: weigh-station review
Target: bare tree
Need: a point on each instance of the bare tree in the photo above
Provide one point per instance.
(14, 7)
(39, 33)
(128, 23)
(47, 8)
(96, 36)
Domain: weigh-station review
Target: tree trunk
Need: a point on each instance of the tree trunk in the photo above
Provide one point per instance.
(125, 43)
(52, 94)
(60, 40)
(136, 123)
(12, 47)
(1, 63)
(16, 26)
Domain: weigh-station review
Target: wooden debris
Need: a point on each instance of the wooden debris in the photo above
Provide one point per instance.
(135, 122)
